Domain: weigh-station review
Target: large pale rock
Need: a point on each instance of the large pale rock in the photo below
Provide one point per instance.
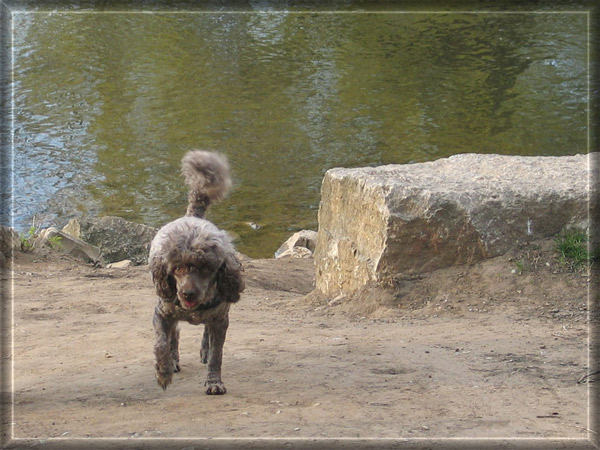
(117, 238)
(62, 242)
(380, 224)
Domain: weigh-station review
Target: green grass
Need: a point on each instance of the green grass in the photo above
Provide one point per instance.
(571, 246)
(27, 240)
(520, 267)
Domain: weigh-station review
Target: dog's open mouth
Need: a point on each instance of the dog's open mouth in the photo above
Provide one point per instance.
(188, 304)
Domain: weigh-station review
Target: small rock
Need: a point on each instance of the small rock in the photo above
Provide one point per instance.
(296, 252)
(120, 265)
(73, 228)
(299, 245)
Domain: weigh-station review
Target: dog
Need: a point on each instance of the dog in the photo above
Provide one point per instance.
(196, 273)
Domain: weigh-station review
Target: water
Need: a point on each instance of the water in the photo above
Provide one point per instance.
(105, 105)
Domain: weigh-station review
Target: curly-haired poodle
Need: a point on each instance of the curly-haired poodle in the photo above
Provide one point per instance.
(196, 273)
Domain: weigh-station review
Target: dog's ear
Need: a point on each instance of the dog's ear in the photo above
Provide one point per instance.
(230, 283)
(164, 283)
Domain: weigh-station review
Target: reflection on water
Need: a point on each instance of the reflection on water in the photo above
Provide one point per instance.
(106, 105)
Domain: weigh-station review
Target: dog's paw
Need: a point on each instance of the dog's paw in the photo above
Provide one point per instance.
(215, 388)
(163, 378)
(176, 367)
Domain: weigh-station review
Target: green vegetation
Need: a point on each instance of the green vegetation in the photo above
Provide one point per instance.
(27, 239)
(520, 267)
(572, 248)
(55, 242)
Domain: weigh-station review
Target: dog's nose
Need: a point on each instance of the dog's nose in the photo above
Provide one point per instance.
(188, 294)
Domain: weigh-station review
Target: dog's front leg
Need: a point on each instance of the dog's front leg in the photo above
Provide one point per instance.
(217, 330)
(165, 330)
(174, 345)
(204, 349)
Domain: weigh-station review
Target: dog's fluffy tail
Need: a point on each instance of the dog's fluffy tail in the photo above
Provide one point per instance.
(207, 176)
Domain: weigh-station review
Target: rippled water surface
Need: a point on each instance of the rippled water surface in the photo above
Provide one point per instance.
(105, 105)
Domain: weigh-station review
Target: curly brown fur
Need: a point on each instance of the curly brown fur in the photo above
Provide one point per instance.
(207, 176)
(195, 272)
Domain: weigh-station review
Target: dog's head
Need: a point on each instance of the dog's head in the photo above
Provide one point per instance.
(198, 272)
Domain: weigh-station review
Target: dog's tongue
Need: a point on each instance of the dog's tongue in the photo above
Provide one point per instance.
(189, 304)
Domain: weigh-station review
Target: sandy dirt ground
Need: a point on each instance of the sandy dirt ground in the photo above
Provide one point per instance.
(494, 350)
